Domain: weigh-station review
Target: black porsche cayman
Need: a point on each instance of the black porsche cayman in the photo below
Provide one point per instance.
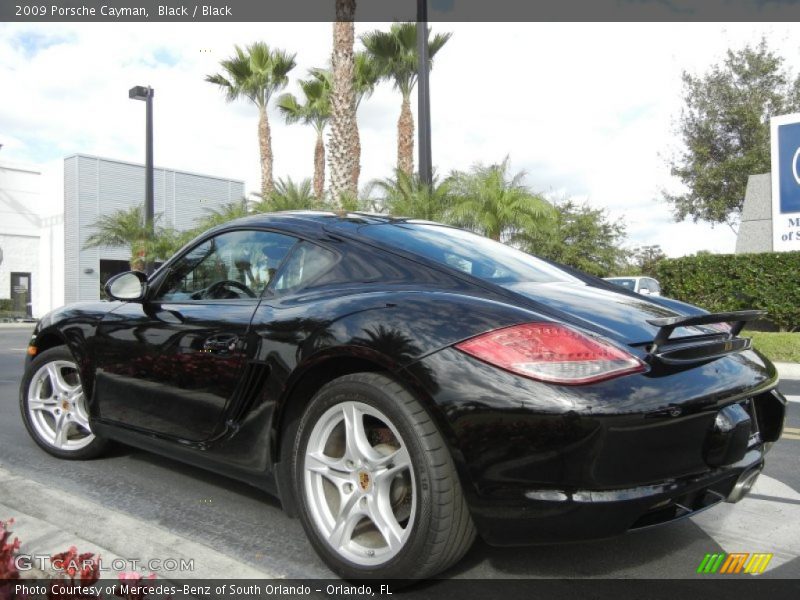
(403, 386)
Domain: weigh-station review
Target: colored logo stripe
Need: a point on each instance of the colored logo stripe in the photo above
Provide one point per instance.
(758, 563)
(711, 563)
(734, 563)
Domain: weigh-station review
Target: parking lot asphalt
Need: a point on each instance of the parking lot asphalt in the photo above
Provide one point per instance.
(243, 523)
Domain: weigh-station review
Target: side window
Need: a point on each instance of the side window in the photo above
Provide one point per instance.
(231, 266)
(654, 287)
(306, 263)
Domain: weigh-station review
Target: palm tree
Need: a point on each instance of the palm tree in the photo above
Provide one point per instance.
(223, 214)
(256, 74)
(405, 196)
(171, 240)
(367, 74)
(395, 52)
(127, 229)
(491, 202)
(315, 111)
(289, 195)
(341, 148)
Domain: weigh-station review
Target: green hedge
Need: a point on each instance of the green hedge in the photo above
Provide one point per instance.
(718, 282)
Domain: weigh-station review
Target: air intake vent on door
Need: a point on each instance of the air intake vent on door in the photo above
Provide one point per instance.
(250, 385)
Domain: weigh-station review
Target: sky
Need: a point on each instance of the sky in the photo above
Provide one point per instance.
(587, 111)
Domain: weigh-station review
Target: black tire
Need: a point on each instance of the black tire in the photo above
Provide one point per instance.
(442, 529)
(57, 355)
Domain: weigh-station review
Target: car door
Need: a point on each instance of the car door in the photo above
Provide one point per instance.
(169, 365)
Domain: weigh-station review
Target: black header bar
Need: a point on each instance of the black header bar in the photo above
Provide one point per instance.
(400, 10)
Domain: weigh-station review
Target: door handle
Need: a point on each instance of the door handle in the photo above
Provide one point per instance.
(221, 344)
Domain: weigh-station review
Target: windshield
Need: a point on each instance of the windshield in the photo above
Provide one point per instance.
(467, 252)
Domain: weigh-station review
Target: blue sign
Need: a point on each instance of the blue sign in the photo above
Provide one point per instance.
(789, 167)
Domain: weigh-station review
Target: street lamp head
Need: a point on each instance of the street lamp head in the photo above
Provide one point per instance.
(141, 92)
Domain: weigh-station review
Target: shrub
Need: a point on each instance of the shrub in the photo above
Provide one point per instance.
(720, 282)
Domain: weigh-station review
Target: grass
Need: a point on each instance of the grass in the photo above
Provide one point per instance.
(781, 347)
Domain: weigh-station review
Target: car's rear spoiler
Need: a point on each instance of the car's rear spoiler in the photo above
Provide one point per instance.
(736, 319)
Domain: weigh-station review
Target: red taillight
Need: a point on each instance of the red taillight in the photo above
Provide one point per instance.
(552, 352)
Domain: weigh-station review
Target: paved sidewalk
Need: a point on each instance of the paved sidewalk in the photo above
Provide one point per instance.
(50, 521)
(788, 370)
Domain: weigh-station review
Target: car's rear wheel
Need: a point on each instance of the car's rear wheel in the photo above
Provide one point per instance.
(376, 486)
(54, 407)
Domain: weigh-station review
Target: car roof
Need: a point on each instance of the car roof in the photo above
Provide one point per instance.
(315, 223)
(316, 216)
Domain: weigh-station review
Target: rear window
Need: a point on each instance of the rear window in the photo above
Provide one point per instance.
(467, 252)
(628, 284)
(305, 264)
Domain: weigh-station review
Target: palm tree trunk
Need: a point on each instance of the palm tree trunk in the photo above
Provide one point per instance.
(319, 167)
(138, 255)
(265, 148)
(341, 151)
(405, 138)
(356, 156)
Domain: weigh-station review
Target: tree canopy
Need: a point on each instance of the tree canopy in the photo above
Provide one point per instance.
(724, 129)
(126, 228)
(644, 260)
(406, 196)
(582, 237)
(493, 202)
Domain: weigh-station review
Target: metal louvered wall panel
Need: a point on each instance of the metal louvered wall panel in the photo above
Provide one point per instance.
(95, 186)
(71, 227)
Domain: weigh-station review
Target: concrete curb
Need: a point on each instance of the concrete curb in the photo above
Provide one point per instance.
(788, 370)
(48, 521)
(17, 326)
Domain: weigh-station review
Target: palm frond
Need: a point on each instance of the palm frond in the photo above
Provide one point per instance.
(289, 195)
(494, 203)
(255, 73)
(290, 108)
(394, 53)
(127, 229)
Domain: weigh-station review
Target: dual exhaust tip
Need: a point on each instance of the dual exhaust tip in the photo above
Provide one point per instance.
(744, 484)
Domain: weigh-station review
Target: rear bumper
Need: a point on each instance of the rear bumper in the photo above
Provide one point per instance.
(558, 516)
(541, 463)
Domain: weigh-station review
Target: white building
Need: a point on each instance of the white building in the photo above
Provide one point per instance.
(46, 216)
(95, 186)
(31, 241)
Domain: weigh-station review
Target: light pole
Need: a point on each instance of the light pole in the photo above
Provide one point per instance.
(424, 95)
(141, 92)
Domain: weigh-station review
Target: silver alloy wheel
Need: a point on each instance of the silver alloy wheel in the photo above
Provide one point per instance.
(359, 483)
(57, 408)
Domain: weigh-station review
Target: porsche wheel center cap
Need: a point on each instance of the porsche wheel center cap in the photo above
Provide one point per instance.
(364, 480)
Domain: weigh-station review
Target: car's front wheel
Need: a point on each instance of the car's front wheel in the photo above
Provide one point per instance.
(376, 486)
(54, 409)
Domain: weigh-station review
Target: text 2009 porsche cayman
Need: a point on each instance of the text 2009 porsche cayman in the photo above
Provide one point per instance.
(403, 386)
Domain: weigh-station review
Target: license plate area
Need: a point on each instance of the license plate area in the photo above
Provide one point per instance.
(755, 435)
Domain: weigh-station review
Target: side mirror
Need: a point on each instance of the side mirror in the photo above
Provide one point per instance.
(130, 286)
(644, 292)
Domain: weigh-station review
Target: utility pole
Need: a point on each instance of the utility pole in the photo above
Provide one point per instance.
(424, 95)
(146, 93)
